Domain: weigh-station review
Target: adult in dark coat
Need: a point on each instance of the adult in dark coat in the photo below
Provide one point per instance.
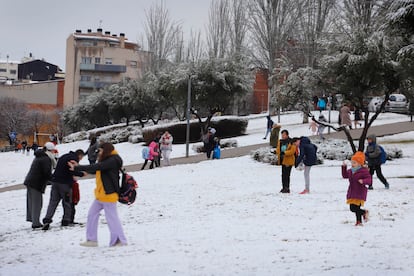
(373, 156)
(62, 182)
(36, 181)
(307, 155)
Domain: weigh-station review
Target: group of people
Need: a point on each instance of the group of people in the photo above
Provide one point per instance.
(61, 174)
(159, 148)
(295, 152)
(299, 152)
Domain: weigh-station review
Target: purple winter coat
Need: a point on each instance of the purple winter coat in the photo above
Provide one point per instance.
(357, 190)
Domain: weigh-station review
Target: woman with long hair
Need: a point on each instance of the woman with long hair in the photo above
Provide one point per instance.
(106, 196)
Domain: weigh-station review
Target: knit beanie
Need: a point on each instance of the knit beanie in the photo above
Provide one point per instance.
(359, 157)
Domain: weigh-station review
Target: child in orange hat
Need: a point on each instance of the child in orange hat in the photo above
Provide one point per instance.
(359, 180)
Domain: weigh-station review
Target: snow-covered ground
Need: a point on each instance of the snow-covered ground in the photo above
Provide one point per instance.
(223, 217)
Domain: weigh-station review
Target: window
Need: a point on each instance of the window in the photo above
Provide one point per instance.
(85, 78)
(133, 63)
(86, 60)
(108, 60)
(97, 60)
(13, 71)
(3, 70)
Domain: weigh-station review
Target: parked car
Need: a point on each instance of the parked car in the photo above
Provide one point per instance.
(375, 103)
(397, 103)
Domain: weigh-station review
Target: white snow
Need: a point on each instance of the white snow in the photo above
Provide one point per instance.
(223, 217)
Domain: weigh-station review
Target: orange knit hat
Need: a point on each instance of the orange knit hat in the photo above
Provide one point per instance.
(359, 157)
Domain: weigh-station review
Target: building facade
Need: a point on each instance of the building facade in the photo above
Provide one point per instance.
(37, 70)
(8, 70)
(96, 59)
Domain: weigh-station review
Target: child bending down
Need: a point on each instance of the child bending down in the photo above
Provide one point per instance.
(359, 178)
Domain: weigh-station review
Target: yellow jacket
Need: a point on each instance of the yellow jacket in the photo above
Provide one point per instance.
(289, 156)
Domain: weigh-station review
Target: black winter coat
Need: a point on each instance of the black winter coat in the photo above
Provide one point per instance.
(307, 152)
(62, 173)
(109, 172)
(40, 172)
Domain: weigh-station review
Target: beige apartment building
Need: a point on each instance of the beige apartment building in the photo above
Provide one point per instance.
(96, 59)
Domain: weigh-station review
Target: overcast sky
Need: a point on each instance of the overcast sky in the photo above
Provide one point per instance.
(42, 27)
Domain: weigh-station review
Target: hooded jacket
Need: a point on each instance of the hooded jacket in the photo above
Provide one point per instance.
(107, 175)
(287, 157)
(40, 172)
(357, 192)
(307, 152)
(373, 152)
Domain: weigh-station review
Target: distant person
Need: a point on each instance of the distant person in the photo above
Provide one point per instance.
(373, 155)
(321, 104)
(307, 156)
(345, 116)
(269, 125)
(24, 146)
(208, 141)
(166, 147)
(62, 181)
(36, 181)
(274, 135)
(285, 151)
(153, 154)
(359, 178)
(357, 117)
(313, 126)
(92, 151)
(321, 127)
(106, 196)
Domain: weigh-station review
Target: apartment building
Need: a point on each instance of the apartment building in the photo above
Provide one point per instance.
(96, 59)
(8, 70)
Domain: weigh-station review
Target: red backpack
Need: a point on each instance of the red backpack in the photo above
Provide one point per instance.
(128, 193)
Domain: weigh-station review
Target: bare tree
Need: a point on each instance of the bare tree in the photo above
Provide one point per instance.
(313, 16)
(238, 25)
(195, 49)
(271, 25)
(218, 28)
(161, 34)
(13, 114)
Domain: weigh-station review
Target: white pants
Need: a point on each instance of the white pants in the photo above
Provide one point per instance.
(166, 157)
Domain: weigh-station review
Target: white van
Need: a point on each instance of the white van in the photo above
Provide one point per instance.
(397, 103)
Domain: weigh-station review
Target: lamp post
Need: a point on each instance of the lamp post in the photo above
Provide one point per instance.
(187, 134)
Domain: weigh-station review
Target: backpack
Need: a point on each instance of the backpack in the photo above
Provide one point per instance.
(383, 155)
(128, 193)
(145, 153)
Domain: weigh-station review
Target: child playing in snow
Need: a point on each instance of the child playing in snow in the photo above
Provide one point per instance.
(359, 178)
(313, 126)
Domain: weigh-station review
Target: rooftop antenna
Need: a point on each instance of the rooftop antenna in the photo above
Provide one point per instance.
(100, 23)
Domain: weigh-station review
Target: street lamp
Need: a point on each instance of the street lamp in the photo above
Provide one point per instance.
(187, 134)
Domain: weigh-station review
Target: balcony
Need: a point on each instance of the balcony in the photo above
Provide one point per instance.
(109, 68)
(93, 84)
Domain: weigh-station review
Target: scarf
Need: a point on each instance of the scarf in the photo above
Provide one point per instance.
(52, 158)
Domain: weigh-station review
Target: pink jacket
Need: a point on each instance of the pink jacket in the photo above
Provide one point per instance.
(153, 147)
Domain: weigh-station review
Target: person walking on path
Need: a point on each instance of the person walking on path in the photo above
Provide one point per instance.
(357, 117)
(359, 178)
(62, 181)
(153, 154)
(307, 155)
(36, 181)
(345, 116)
(106, 196)
(166, 147)
(373, 155)
(92, 151)
(285, 151)
(269, 124)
